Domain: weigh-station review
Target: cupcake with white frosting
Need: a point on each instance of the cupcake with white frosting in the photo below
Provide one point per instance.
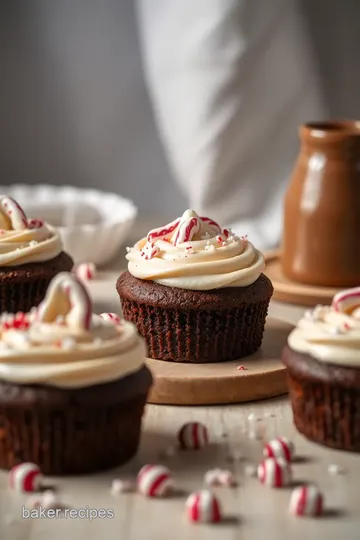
(73, 385)
(323, 363)
(196, 292)
(31, 254)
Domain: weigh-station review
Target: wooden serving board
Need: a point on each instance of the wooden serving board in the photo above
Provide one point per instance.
(291, 292)
(209, 384)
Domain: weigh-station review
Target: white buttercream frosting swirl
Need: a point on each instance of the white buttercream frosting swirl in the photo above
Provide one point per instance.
(24, 240)
(331, 334)
(195, 253)
(68, 346)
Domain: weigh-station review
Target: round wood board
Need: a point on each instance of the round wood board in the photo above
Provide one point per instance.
(291, 292)
(210, 384)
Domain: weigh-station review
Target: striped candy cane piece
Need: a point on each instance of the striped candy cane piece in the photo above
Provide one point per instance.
(13, 212)
(274, 473)
(347, 301)
(111, 317)
(280, 448)
(154, 481)
(193, 436)
(306, 501)
(25, 477)
(68, 297)
(163, 233)
(203, 507)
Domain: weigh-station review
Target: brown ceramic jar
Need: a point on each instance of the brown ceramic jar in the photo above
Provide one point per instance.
(321, 239)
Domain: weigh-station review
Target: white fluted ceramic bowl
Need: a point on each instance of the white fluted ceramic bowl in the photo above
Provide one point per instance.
(93, 224)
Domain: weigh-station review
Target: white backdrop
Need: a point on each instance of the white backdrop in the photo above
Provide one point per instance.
(74, 107)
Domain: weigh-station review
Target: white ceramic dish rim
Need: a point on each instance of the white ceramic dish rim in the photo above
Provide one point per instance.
(90, 196)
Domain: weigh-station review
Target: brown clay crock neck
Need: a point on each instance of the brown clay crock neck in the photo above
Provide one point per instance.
(335, 134)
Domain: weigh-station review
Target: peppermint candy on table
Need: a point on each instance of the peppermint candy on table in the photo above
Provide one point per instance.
(111, 317)
(25, 477)
(280, 448)
(306, 501)
(193, 436)
(154, 481)
(203, 507)
(85, 271)
(275, 473)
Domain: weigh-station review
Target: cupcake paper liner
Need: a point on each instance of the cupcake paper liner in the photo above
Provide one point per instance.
(325, 413)
(198, 336)
(72, 432)
(23, 287)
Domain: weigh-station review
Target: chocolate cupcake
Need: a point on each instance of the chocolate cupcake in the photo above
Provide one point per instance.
(73, 385)
(196, 292)
(30, 256)
(323, 364)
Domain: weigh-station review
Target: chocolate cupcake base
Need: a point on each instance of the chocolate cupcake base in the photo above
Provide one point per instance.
(325, 400)
(196, 326)
(23, 287)
(73, 431)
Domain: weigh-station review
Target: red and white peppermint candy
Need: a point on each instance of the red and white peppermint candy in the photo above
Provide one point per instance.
(203, 507)
(347, 301)
(154, 481)
(193, 436)
(11, 210)
(280, 448)
(190, 224)
(25, 477)
(275, 473)
(66, 296)
(111, 317)
(306, 501)
(164, 232)
(149, 251)
(85, 271)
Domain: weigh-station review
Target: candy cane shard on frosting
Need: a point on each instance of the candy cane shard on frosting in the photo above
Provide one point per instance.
(11, 214)
(190, 224)
(163, 232)
(347, 301)
(68, 297)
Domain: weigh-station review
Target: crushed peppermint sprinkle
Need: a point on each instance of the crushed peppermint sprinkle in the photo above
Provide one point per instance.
(210, 247)
(60, 319)
(241, 368)
(128, 249)
(244, 239)
(18, 321)
(190, 249)
(33, 243)
(220, 239)
(149, 251)
(205, 236)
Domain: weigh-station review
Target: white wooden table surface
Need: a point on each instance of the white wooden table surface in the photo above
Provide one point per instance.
(252, 511)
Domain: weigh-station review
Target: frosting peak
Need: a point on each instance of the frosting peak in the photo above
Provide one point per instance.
(62, 343)
(331, 333)
(195, 253)
(24, 240)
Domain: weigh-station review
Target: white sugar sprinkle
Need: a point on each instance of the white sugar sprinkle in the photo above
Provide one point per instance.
(250, 470)
(121, 486)
(33, 243)
(128, 249)
(336, 469)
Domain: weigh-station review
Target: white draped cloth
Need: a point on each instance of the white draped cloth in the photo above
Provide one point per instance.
(230, 81)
